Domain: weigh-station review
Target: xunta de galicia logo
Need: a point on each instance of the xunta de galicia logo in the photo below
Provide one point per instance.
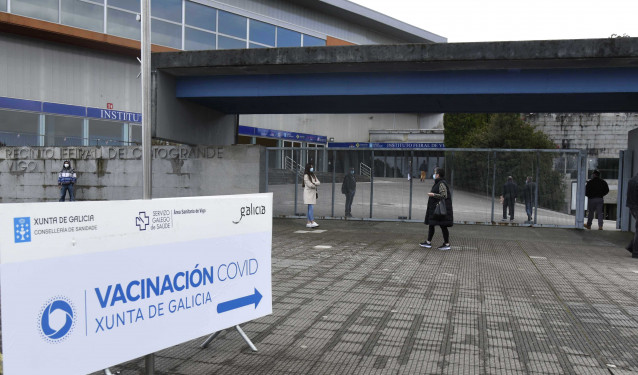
(22, 229)
(56, 319)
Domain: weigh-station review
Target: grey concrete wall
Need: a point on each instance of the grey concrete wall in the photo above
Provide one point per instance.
(186, 122)
(602, 134)
(29, 174)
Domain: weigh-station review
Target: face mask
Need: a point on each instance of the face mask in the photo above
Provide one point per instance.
(434, 176)
(66, 165)
(312, 170)
(352, 172)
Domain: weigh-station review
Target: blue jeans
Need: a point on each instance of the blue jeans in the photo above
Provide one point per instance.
(311, 212)
(63, 189)
(528, 209)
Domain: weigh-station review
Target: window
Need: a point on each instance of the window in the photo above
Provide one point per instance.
(131, 5)
(201, 16)
(311, 41)
(83, 14)
(261, 32)
(196, 40)
(170, 10)
(122, 24)
(41, 9)
(63, 131)
(104, 133)
(3, 5)
(166, 34)
(253, 45)
(232, 24)
(135, 133)
(19, 128)
(230, 43)
(288, 38)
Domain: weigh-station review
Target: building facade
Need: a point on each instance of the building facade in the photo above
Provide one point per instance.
(69, 73)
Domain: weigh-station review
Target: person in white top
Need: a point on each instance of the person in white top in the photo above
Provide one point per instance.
(310, 195)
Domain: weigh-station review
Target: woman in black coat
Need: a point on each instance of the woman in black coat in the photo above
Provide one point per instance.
(440, 191)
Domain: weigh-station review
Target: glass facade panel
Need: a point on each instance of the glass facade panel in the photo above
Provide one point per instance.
(3, 5)
(63, 131)
(18, 128)
(288, 38)
(230, 43)
(83, 14)
(135, 132)
(232, 24)
(122, 24)
(197, 40)
(126, 4)
(311, 41)
(41, 9)
(261, 32)
(253, 45)
(167, 9)
(105, 133)
(166, 34)
(201, 16)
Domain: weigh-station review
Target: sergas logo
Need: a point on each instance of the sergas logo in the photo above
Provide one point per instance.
(249, 211)
(142, 220)
(56, 319)
(22, 229)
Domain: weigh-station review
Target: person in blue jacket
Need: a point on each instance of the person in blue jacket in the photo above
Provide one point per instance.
(66, 181)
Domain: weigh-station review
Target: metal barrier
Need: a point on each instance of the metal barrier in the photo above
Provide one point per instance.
(386, 191)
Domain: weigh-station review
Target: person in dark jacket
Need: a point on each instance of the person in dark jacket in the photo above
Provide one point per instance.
(510, 191)
(348, 188)
(595, 190)
(440, 191)
(66, 181)
(529, 194)
(632, 203)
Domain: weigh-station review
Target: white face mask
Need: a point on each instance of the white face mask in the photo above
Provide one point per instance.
(312, 170)
(66, 165)
(434, 176)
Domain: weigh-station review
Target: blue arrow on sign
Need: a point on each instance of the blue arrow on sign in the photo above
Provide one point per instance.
(239, 302)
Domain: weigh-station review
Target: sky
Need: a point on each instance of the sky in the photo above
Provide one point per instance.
(502, 20)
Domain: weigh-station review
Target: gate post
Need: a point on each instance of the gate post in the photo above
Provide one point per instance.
(580, 190)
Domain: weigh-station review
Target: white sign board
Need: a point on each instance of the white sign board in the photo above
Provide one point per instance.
(87, 285)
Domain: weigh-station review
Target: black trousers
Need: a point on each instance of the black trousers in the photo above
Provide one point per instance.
(446, 233)
(508, 203)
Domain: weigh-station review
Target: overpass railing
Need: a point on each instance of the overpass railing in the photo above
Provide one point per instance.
(392, 189)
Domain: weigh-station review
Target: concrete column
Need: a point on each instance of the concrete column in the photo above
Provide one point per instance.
(85, 132)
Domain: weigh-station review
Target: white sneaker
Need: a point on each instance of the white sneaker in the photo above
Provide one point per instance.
(309, 225)
(314, 224)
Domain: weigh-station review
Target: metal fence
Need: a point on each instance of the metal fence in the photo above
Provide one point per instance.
(390, 187)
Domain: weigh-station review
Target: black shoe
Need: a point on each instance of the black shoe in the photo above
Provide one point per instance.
(444, 247)
(426, 244)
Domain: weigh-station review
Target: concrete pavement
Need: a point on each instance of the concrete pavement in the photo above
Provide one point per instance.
(354, 297)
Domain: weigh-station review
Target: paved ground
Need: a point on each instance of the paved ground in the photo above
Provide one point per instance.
(504, 300)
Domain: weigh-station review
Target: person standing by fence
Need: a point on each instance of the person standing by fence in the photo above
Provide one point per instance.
(349, 188)
(310, 194)
(632, 203)
(440, 193)
(595, 190)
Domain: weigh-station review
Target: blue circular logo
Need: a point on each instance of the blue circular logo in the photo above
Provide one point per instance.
(57, 319)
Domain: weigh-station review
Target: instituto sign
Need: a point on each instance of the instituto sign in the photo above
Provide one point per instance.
(87, 285)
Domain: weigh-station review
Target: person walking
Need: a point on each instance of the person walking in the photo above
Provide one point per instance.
(349, 187)
(595, 190)
(529, 194)
(424, 169)
(440, 193)
(310, 194)
(632, 203)
(66, 180)
(510, 191)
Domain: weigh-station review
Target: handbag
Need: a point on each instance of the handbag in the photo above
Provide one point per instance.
(440, 211)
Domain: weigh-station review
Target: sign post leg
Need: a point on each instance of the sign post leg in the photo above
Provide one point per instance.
(241, 333)
(208, 340)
